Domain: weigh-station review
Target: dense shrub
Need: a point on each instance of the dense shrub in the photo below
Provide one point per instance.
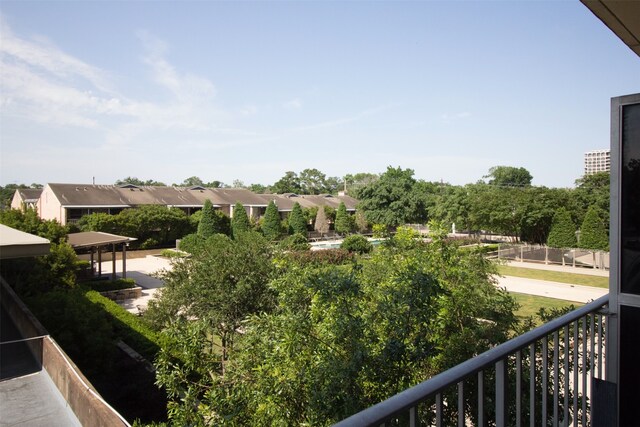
(593, 234)
(85, 333)
(563, 231)
(271, 226)
(325, 256)
(240, 222)
(357, 243)
(128, 327)
(110, 285)
(297, 221)
(297, 242)
(344, 223)
(191, 243)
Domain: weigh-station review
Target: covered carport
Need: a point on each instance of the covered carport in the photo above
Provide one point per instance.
(96, 241)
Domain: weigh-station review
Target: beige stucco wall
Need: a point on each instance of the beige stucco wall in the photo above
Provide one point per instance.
(49, 207)
(16, 201)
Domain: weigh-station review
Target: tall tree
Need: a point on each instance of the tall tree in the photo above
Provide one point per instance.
(272, 227)
(593, 234)
(240, 221)
(312, 181)
(354, 182)
(208, 221)
(563, 231)
(297, 221)
(509, 176)
(343, 224)
(289, 183)
(392, 200)
(219, 286)
(192, 181)
(592, 190)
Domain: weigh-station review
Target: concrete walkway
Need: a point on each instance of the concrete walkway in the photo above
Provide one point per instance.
(142, 271)
(575, 293)
(564, 269)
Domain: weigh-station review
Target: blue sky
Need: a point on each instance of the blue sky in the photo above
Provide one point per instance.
(244, 90)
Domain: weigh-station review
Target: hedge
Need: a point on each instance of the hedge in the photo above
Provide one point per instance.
(128, 327)
(110, 285)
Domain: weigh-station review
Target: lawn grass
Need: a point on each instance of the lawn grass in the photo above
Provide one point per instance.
(555, 276)
(530, 304)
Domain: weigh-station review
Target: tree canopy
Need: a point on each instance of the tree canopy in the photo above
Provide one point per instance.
(393, 199)
(344, 223)
(593, 234)
(271, 225)
(509, 176)
(135, 181)
(563, 231)
(240, 221)
(297, 221)
(337, 338)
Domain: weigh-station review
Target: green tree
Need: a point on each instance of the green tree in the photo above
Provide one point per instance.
(240, 221)
(297, 221)
(591, 190)
(207, 226)
(219, 285)
(258, 188)
(509, 176)
(312, 181)
(393, 200)
(152, 225)
(563, 231)
(593, 234)
(135, 181)
(192, 181)
(356, 243)
(344, 223)
(354, 182)
(289, 183)
(343, 338)
(272, 227)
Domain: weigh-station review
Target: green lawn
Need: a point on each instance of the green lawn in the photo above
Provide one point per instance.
(530, 304)
(555, 276)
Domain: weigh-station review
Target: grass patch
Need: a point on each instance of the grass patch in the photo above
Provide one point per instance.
(555, 276)
(530, 304)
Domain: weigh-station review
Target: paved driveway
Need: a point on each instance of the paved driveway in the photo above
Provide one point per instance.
(576, 293)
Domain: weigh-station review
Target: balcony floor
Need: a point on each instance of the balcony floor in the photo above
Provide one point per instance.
(33, 400)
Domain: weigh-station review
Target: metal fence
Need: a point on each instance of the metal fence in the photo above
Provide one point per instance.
(546, 255)
(543, 377)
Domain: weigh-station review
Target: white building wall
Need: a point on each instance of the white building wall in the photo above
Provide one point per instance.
(49, 207)
(597, 161)
(16, 201)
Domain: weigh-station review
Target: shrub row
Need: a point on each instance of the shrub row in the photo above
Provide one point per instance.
(128, 327)
(325, 256)
(110, 285)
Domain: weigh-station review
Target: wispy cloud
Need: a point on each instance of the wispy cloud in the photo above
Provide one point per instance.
(448, 117)
(294, 104)
(41, 82)
(345, 120)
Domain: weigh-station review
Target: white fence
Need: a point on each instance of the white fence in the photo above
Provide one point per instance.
(546, 255)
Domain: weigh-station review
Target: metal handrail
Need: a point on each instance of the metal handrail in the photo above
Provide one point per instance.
(409, 398)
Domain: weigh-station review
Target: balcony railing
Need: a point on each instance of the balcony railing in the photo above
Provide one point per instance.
(540, 378)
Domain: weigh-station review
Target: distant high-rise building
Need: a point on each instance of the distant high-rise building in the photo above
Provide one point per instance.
(597, 161)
